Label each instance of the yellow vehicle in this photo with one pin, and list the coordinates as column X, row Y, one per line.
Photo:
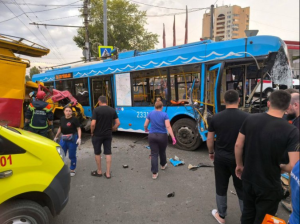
column 14, row 92
column 12, row 77
column 33, row 175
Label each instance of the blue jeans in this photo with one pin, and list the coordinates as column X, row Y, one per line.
column 72, row 147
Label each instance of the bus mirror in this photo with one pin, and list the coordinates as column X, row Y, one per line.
column 251, row 33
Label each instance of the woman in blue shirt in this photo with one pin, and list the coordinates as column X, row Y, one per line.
column 158, row 137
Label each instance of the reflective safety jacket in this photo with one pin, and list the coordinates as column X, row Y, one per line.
column 39, row 113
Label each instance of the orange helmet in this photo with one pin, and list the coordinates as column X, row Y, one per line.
column 40, row 95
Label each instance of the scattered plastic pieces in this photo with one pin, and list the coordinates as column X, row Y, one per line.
column 193, row 168
column 286, row 176
column 170, row 195
column 125, row 166
column 147, row 147
column 176, row 161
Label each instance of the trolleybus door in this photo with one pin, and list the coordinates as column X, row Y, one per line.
column 213, row 88
column 101, row 86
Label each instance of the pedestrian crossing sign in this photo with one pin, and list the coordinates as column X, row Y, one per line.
column 105, row 51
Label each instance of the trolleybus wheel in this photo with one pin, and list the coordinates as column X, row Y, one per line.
column 186, row 134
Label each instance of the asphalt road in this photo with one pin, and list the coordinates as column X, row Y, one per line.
column 131, row 196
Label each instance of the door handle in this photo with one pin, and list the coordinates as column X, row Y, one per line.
column 6, row 174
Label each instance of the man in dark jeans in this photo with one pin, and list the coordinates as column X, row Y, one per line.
column 261, row 144
column 225, row 125
column 101, row 131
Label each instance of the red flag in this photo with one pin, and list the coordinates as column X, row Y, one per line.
column 174, row 33
column 164, row 38
column 186, row 27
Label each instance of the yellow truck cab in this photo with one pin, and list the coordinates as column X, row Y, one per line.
column 33, row 175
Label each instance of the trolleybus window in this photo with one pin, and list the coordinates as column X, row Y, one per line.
column 81, row 91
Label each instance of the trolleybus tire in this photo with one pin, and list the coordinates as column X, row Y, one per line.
column 186, row 134
column 23, row 211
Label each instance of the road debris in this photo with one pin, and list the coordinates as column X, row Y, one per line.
column 193, row 168
column 125, row 166
column 170, row 195
column 176, row 161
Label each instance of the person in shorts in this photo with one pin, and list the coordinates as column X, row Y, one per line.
column 101, row 130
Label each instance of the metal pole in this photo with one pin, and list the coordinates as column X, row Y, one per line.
column 86, row 24
column 105, row 21
column 211, row 21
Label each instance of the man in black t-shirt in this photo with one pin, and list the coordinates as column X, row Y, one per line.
column 293, row 111
column 225, row 125
column 259, row 149
column 101, row 131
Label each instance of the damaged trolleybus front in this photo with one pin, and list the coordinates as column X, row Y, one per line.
column 190, row 79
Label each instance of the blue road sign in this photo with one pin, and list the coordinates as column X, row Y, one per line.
column 105, row 51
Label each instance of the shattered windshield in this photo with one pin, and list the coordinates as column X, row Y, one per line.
column 281, row 72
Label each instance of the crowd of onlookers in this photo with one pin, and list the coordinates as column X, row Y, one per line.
column 253, row 149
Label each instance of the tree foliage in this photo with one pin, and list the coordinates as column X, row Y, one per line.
column 125, row 27
column 27, row 78
column 34, row 70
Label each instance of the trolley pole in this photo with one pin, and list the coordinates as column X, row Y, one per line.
column 105, row 22
column 211, row 21
column 86, row 25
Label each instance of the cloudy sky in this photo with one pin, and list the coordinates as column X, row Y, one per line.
column 270, row 17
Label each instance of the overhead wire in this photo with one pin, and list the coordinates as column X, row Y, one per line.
column 16, row 16
column 25, row 25
column 60, row 18
column 68, row 5
column 41, row 33
column 57, row 49
column 156, row 6
column 174, row 14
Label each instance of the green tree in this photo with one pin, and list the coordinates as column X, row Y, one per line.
column 125, row 27
column 27, row 78
column 34, row 70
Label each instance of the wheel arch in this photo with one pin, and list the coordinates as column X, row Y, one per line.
column 180, row 116
column 39, row 197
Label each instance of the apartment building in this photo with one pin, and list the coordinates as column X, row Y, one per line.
column 230, row 22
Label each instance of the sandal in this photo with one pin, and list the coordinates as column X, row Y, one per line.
column 96, row 174
column 154, row 176
column 107, row 176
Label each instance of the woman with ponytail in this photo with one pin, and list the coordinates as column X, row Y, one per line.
column 158, row 137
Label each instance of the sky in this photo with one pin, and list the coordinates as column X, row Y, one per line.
column 270, row 17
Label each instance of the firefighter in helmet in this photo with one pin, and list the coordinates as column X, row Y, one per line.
column 39, row 116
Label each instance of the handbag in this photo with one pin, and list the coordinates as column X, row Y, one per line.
column 68, row 137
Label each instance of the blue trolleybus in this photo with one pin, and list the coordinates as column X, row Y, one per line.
column 190, row 80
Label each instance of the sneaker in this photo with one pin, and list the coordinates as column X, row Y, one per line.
column 164, row 167
column 154, row 176
column 215, row 214
column 72, row 173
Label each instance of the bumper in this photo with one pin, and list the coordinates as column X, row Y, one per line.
column 58, row 190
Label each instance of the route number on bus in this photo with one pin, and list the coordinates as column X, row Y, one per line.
column 142, row 114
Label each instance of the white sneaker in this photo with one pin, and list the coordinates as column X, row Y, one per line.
column 214, row 212
column 72, row 173
column 164, row 167
column 154, row 176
